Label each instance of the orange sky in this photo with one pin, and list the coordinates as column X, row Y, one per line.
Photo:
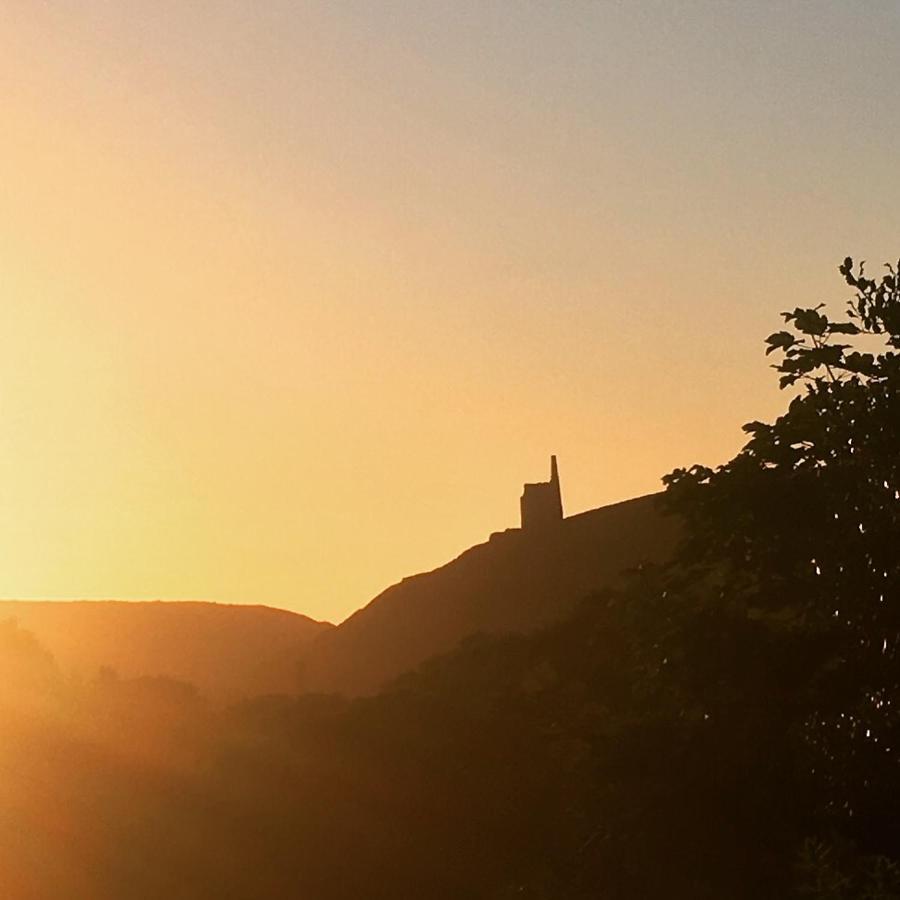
column 293, row 297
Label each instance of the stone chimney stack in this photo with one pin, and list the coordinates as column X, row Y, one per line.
column 541, row 503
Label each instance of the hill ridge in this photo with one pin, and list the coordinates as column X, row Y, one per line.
column 516, row 580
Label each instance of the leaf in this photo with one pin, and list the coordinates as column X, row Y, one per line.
column 780, row 340
column 787, row 381
column 810, row 321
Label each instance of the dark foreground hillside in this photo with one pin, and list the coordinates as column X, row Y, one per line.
column 541, row 766
column 510, row 768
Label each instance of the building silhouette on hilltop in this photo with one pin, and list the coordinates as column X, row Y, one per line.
column 542, row 502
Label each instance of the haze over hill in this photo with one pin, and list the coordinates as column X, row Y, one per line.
column 226, row 651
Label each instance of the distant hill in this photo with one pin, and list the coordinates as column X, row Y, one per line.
column 226, row 651
column 517, row 581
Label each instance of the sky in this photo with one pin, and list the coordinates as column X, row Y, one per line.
column 294, row 296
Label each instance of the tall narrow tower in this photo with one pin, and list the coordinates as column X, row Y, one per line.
column 541, row 503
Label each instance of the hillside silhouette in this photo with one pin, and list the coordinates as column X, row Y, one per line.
column 226, row 651
column 518, row 581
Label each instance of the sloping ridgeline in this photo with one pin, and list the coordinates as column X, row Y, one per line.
column 517, row 582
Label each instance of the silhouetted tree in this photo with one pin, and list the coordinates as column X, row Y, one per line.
column 796, row 541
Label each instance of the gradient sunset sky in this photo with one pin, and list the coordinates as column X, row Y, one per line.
column 295, row 295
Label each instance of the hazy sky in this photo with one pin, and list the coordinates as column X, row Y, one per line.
column 294, row 296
